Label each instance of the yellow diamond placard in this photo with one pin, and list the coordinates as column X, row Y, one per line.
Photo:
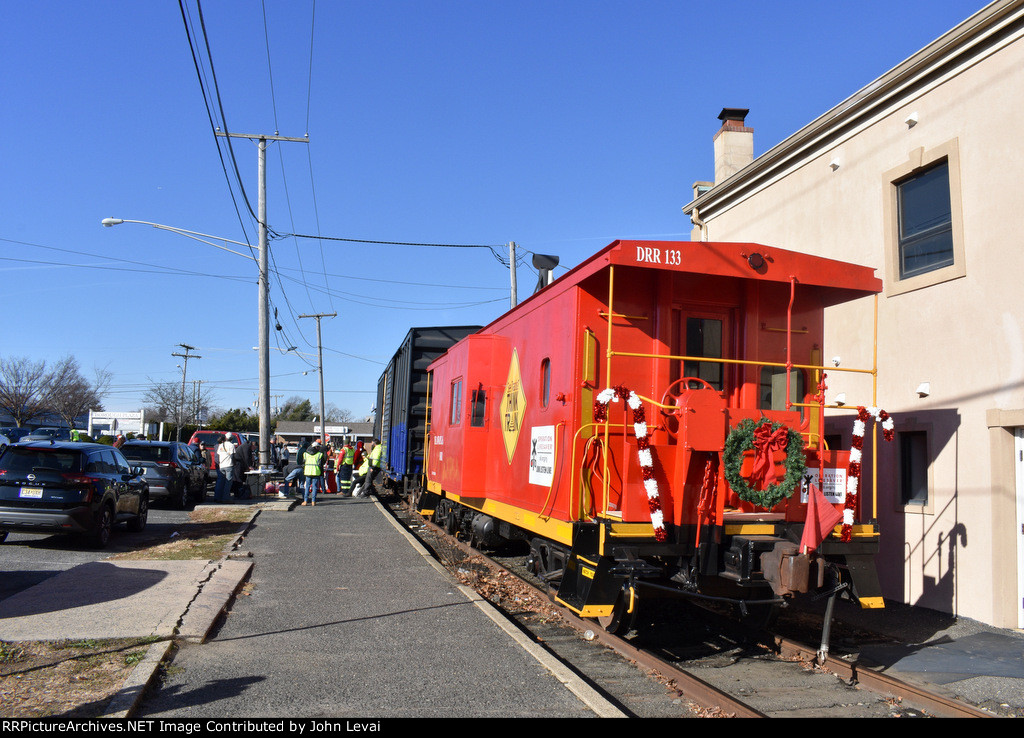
column 513, row 407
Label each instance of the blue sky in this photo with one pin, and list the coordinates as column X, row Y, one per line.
column 560, row 125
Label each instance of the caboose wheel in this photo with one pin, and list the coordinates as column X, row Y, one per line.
column 684, row 387
column 623, row 613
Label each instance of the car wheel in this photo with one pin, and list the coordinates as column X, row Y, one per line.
column 138, row 523
column 182, row 498
column 3, row 536
column 100, row 535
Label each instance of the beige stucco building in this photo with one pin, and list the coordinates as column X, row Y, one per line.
column 918, row 175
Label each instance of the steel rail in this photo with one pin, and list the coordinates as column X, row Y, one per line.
column 709, row 696
column 686, row 684
column 881, row 683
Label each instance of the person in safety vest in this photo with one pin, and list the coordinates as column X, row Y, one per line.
column 313, row 470
column 346, row 456
column 372, row 463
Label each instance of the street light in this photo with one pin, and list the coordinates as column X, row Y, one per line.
column 264, row 322
column 194, row 235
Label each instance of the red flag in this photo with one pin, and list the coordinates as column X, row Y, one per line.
column 821, row 519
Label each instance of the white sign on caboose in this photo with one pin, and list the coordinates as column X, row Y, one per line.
column 542, row 455
column 834, row 488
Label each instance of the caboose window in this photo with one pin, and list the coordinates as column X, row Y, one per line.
column 773, row 388
column 704, row 339
column 545, row 382
column 478, row 409
column 456, row 402
column 925, row 221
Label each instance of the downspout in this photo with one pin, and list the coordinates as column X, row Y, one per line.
column 695, row 220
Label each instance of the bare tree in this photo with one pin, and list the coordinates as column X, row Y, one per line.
column 164, row 401
column 337, row 414
column 69, row 394
column 23, row 386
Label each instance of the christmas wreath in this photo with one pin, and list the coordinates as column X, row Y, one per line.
column 763, row 438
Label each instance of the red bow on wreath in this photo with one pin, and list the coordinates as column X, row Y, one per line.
column 766, row 442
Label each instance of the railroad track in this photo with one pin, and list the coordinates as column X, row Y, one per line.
column 724, row 674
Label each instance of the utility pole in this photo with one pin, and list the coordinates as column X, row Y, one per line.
column 264, row 291
column 197, row 393
column 512, row 268
column 320, row 368
column 184, row 368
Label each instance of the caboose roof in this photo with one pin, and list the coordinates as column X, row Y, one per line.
column 839, row 281
column 735, row 260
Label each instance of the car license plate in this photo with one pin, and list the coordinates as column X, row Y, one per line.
column 36, row 492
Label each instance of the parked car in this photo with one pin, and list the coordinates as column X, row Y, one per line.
column 210, row 438
column 172, row 470
column 65, row 487
column 15, row 434
column 47, row 434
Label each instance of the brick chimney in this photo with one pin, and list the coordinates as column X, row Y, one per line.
column 734, row 143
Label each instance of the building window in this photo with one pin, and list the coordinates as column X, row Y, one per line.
column 925, row 221
column 924, row 231
column 913, row 450
column 478, row 410
column 456, row 402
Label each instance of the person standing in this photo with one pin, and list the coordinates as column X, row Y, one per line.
column 346, row 456
column 241, row 466
column 225, row 470
column 369, row 469
column 330, row 482
column 313, row 469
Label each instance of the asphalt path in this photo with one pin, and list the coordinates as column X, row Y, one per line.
column 344, row 617
column 26, row 559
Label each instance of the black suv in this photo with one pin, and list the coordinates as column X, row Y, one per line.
column 173, row 471
column 64, row 487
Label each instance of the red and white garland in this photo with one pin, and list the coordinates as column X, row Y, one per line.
column 614, row 394
column 856, row 453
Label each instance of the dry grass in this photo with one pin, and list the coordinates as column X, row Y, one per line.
column 64, row 678
column 209, row 531
column 78, row 678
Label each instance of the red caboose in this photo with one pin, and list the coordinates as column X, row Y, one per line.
column 655, row 415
